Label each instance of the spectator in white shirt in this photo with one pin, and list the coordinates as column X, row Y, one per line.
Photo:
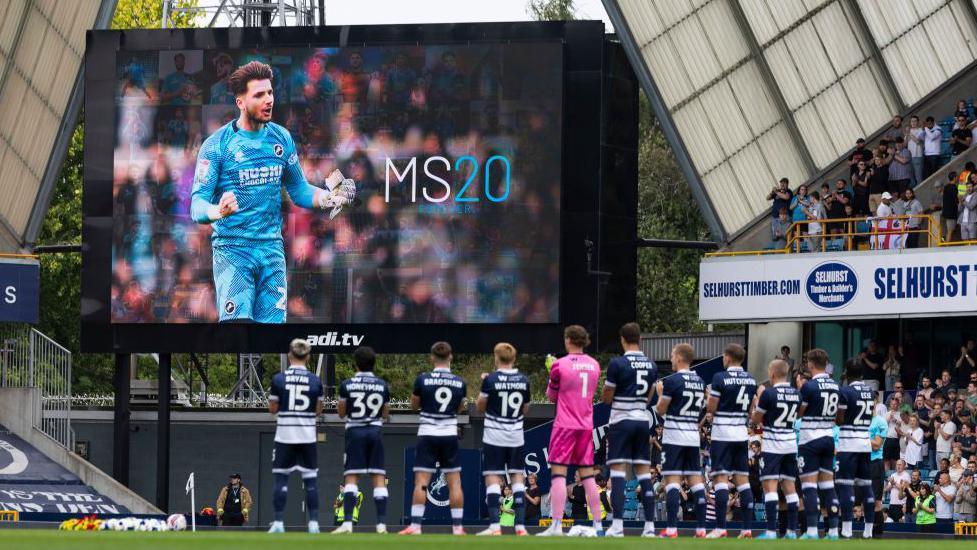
column 967, row 220
column 913, row 436
column 944, row 428
column 944, row 492
column 896, row 485
column 931, row 147
column 914, row 141
column 815, row 212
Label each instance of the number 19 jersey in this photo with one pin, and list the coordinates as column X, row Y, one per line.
column 297, row 392
column 506, row 391
column 573, row 381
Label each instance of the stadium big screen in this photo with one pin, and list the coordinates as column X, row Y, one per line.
column 453, row 137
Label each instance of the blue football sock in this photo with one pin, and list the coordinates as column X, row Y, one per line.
column 648, row 498
column 617, row 495
column 846, row 501
column 312, row 498
column 280, row 496
column 811, row 506
column 672, row 498
column 699, row 494
column 746, row 505
column 722, row 504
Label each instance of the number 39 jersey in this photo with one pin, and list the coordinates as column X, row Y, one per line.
column 632, row 375
column 297, row 392
column 820, row 396
column 778, row 405
column 857, row 400
column 686, row 395
column 506, row 391
column 734, row 388
column 365, row 395
column 441, row 393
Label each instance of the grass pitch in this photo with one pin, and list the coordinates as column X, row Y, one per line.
column 36, row 539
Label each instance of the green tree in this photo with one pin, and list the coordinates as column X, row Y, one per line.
column 148, row 14
column 551, row 10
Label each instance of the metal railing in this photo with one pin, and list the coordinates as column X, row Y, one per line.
column 847, row 234
column 29, row 359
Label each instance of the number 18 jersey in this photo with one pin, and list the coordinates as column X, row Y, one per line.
column 820, row 396
column 365, row 395
column 297, row 392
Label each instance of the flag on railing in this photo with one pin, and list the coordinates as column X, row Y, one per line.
column 888, row 234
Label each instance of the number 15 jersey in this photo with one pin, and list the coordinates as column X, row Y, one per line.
column 297, row 392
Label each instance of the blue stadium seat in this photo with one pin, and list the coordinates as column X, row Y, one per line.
column 630, row 515
column 759, row 513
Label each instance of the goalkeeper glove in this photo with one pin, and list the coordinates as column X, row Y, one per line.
column 550, row 359
column 220, row 512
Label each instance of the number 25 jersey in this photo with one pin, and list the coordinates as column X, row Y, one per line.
column 297, row 392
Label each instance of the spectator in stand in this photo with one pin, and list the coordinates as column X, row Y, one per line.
column 895, row 130
column 798, row 204
column 925, row 388
column 960, row 137
column 786, row 358
column 925, row 509
column 872, row 361
column 915, row 482
column 945, row 494
column 914, row 142
column 932, row 134
column 966, row 500
column 878, row 182
column 913, row 209
column 780, row 195
column 893, row 422
column 896, row 485
column 780, row 228
column 964, row 177
column 968, row 211
column 815, row 213
column 913, row 437
column 950, row 209
column 968, row 442
column 967, row 362
column 956, row 467
column 892, row 369
column 840, row 198
column 901, row 169
column 859, row 154
column 943, row 431
column 860, row 182
column 533, row 499
column 961, row 109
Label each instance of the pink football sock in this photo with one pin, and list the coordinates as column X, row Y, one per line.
column 593, row 497
column 558, row 497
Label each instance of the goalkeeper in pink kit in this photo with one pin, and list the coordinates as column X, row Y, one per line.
column 573, row 382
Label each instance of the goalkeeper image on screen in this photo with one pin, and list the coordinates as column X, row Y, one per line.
column 237, row 185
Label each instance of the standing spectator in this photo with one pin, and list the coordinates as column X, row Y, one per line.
column 872, row 361
column 967, row 363
column 965, row 501
column 799, row 204
column 961, row 109
column 858, row 155
column 578, row 500
column 533, row 498
column 932, row 134
column 815, row 213
column 968, row 211
column 944, row 491
column 878, row 182
column 925, row 510
column 893, row 421
column 507, row 512
column 892, row 369
column 960, row 137
column 786, row 358
column 943, row 432
column 896, row 485
column 234, row 503
column 913, row 437
column 860, row 182
column 840, row 198
column 925, row 388
column 895, row 130
column 901, row 169
column 780, row 195
column 955, row 468
column 781, row 226
column 914, row 142
column 968, row 442
column 914, row 224
column 915, row 482
column 950, row 208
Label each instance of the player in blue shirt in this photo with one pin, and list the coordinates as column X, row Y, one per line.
column 855, row 410
column 178, row 87
column 730, row 398
column 681, row 397
column 820, row 402
column 877, row 432
column 440, row 396
column 364, row 403
column 242, row 166
column 296, row 397
column 627, row 389
column 505, row 401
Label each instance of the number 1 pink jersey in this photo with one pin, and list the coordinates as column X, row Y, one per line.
column 573, row 381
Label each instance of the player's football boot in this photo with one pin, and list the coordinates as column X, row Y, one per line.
column 551, row 531
column 343, row 529
column 831, row 536
column 458, row 530
column 314, row 528
column 410, row 530
column 701, row 534
column 490, row 532
column 612, row 532
column 808, row 536
column 381, row 529
column 717, row 534
column 790, row 535
column 521, row 532
column 649, row 533
column 277, row 527
column 766, row 536
column 664, row 534
column 745, row 535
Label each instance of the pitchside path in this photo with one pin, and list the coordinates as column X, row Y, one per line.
column 30, row 539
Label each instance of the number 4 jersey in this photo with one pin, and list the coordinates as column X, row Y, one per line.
column 365, row 395
column 506, row 391
column 297, row 392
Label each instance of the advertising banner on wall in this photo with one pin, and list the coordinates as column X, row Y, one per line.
column 20, row 284
column 898, row 283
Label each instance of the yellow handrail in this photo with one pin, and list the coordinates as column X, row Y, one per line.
column 19, row 256
column 9, row 515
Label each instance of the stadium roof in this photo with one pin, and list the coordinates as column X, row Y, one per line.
column 749, row 91
column 42, row 43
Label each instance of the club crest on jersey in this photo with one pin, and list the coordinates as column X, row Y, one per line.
column 230, row 307
column 279, row 150
column 203, row 168
column 239, row 156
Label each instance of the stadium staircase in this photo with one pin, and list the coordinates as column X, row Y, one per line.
column 940, row 104
column 39, row 471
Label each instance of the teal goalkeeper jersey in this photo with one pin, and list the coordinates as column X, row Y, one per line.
column 254, row 165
